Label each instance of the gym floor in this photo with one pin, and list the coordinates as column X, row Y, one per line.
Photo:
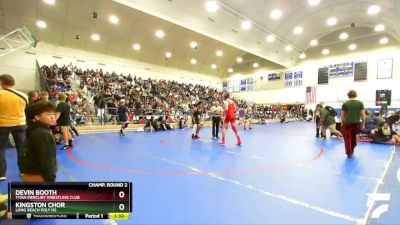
column 281, row 174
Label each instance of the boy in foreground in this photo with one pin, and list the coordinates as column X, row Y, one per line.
column 39, row 163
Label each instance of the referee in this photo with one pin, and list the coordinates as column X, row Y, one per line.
column 216, row 112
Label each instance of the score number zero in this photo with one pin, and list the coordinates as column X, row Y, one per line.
column 121, row 206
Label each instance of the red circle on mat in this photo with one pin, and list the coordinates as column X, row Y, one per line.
column 259, row 170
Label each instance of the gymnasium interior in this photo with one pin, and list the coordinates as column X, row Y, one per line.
column 179, row 66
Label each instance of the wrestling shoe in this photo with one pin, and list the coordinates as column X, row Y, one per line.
column 66, row 147
column 222, row 142
column 239, row 142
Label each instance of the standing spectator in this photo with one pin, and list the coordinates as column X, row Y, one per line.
column 216, row 112
column 352, row 112
column 38, row 161
column 317, row 119
column 63, row 120
column 12, row 120
column 101, row 110
column 44, row 96
column 96, row 102
column 123, row 114
column 33, row 96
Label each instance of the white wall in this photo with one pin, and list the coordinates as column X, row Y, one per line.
column 23, row 67
column 334, row 92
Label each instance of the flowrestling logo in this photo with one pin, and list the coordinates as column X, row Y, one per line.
column 380, row 209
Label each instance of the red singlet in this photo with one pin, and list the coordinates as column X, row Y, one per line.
column 230, row 113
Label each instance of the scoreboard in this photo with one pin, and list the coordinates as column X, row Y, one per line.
column 383, row 97
column 70, row 200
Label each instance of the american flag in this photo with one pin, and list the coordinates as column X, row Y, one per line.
column 311, row 93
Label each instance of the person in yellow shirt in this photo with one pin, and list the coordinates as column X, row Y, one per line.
column 3, row 208
column 12, row 119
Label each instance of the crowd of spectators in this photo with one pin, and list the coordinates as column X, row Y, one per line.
column 99, row 93
column 298, row 112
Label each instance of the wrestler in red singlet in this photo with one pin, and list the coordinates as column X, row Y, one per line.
column 230, row 113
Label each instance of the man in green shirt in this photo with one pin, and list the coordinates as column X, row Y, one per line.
column 327, row 122
column 352, row 113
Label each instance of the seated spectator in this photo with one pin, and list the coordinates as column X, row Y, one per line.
column 182, row 123
column 149, row 124
column 378, row 119
column 385, row 135
column 369, row 123
column 394, row 119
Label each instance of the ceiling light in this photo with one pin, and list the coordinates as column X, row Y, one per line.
column 230, row 70
column 255, row 65
column 352, row 46
column 270, row 38
column 374, row 9
column 219, row 53
column 298, row 30
column 343, row 36
column 239, row 60
column 113, row 19
column 193, row 44
column 325, row 51
column 288, row 48
column 313, row 2
column 211, row 6
column 160, row 34
column 213, row 66
column 246, row 25
column 379, row 27
column 168, row 55
column 95, row 37
column 50, row 2
column 193, row 61
column 331, row 21
column 276, row 14
column 41, row 24
column 302, row 56
column 136, row 47
column 383, row 40
column 313, row 42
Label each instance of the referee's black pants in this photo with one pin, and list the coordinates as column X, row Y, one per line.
column 216, row 121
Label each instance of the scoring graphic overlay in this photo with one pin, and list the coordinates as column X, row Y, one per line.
column 70, row 200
